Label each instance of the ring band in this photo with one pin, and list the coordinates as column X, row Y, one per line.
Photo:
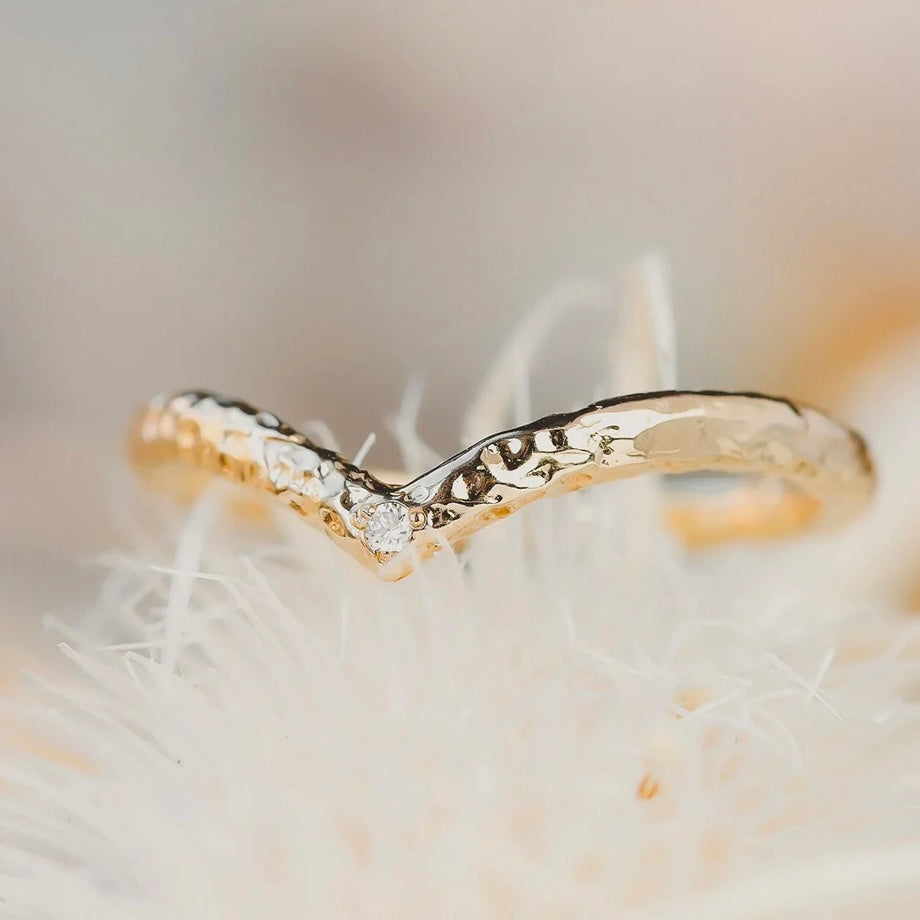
column 825, row 466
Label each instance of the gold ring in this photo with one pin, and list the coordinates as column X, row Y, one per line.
column 824, row 466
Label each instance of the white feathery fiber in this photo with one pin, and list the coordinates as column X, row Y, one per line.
column 575, row 718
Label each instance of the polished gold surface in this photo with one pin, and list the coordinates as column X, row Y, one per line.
column 824, row 466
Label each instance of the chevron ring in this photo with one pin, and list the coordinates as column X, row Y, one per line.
column 824, row 469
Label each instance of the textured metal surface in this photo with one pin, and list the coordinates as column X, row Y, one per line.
column 826, row 464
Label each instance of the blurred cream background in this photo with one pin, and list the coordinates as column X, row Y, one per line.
column 304, row 202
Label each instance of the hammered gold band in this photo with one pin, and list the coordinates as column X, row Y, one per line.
column 824, row 465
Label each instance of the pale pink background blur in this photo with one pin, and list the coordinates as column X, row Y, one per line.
column 302, row 203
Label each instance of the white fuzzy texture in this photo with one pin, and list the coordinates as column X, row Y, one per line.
column 574, row 719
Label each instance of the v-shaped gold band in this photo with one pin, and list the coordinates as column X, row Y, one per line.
column 825, row 466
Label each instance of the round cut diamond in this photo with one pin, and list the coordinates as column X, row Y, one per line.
column 389, row 529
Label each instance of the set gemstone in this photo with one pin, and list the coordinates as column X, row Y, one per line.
column 389, row 528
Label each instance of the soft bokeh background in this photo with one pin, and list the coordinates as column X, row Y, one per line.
column 304, row 202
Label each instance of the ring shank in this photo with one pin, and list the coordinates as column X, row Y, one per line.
column 827, row 475
column 824, row 465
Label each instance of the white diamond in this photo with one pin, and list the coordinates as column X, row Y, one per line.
column 389, row 529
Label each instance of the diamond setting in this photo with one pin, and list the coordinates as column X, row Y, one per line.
column 389, row 528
